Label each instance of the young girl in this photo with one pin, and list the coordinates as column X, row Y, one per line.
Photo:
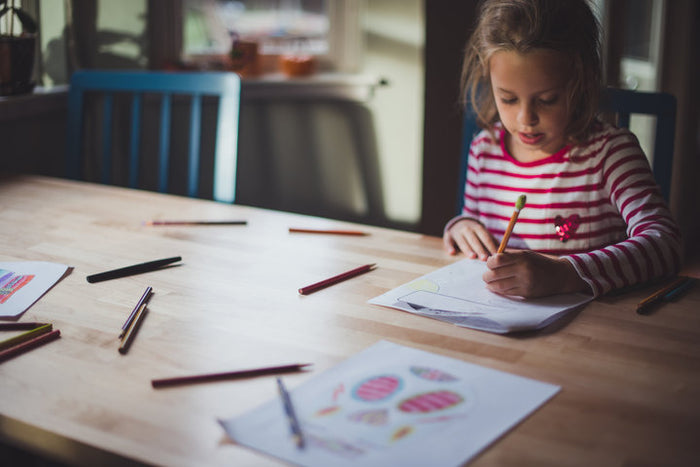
column 594, row 219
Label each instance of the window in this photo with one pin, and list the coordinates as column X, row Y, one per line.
column 326, row 29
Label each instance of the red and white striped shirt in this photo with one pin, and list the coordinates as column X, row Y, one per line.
column 595, row 204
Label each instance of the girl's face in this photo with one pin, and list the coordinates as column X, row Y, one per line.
column 530, row 94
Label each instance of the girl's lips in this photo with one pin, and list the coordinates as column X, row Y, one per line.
column 530, row 138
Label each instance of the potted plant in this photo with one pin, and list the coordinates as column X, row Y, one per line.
column 17, row 45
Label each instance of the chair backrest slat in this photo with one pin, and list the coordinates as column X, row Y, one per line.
column 164, row 143
column 224, row 85
column 134, row 140
column 193, row 159
column 107, row 104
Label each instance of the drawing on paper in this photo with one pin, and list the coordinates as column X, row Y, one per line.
column 377, row 388
column 430, row 402
column 432, row 374
column 389, row 407
column 11, row 282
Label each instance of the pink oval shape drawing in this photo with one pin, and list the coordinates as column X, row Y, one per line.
column 430, row 402
column 377, row 388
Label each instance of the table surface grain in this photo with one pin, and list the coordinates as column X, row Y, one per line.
column 630, row 384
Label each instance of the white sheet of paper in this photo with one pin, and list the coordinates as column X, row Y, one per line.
column 393, row 405
column 457, row 294
column 23, row 283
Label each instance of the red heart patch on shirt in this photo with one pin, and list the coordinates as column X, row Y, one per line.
column 566, row 227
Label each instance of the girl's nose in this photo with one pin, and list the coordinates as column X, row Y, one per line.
column 527, row 115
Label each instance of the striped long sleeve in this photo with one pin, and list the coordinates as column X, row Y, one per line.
column 595, row 204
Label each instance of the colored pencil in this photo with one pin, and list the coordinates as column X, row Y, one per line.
column 132, row 270
column 650, row 301
column 19, row 326
column 335, row 279
column 133, row 329
column 291, row 415
column 25, row 336
column 176, row 223
column 675, row 293
column 142, row 302
column 519, row 204
column 327, row 231
column 239, row 374
column 28, row 345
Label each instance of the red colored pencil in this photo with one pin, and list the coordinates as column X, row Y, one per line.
column 335, row 279
column 25, row 346
column 327, row 231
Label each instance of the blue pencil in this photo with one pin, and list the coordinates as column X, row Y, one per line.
column 675, row 293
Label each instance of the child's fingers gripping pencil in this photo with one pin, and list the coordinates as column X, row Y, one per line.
column 519, row 204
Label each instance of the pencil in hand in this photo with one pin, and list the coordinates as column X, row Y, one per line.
column 519, row 204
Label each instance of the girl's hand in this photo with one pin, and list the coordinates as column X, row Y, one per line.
column 528, row 274
column 471, row 238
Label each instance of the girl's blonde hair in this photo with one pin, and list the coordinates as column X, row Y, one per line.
column 566, row 26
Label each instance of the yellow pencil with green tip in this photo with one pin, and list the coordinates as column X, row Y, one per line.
column 519, row 204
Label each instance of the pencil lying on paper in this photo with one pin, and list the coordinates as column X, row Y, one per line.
column 132, row 270
column 291, row 414
column 240, row 374
column 132, row 330
column 142, row 302
column 327, row 231
column 28, row 345
column 174, row 222
column 519, row 204
column 647, row 303
column 25, row 336
column 335, row 279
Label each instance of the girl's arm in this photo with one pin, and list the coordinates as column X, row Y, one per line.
column 652, row 249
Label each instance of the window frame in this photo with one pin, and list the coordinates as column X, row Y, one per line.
column 345, row 39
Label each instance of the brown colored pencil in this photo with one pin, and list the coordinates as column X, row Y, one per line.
column 335, row 279
column 142, row 302
column 132, row 330
column 28, row 345
column 240, row 374
column 328, row 231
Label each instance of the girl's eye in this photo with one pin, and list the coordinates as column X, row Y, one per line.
column 550, row 101
column 508, row 101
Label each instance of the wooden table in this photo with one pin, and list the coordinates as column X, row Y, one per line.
column 630, row 384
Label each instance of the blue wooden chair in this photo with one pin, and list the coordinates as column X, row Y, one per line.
column 621, row 103
column 135, row 85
